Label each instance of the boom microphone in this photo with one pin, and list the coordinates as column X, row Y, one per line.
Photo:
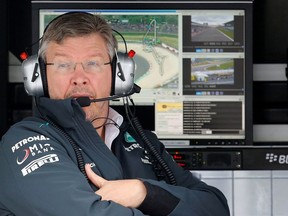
column 86, row 101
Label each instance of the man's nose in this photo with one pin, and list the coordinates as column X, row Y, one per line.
column 79, row 75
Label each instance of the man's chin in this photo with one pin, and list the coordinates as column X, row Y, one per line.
column 87, row 111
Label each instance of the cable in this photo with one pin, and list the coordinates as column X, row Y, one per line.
column 126, row 50
column 106, row 123
column 78, row 153
column 150, row 147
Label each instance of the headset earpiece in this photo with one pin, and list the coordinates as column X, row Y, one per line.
column 32, row 76
column 113, row 68
column 43, row 74
column 34, row 73
column 123, row 69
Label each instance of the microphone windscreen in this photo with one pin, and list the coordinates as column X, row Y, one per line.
column 84, row 101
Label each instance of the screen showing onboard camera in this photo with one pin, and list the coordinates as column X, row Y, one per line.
column 190, row 65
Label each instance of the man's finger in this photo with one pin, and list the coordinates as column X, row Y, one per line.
column 93, row 177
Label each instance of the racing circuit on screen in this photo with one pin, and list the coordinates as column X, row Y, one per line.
column 212, row 71
column 212, row 28
column 154, row 38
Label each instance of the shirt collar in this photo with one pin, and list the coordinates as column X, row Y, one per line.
column 112, row 126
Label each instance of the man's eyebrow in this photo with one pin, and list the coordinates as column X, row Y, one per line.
column 94, row 55
column 61, row 54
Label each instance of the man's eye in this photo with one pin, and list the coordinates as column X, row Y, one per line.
column 92, row 63
column 63, row 65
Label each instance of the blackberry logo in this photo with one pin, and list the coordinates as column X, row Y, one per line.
column 281, row 159
column 271, row 157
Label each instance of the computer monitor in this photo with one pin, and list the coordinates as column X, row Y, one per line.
column 193, row 64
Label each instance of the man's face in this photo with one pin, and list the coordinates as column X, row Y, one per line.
column 93, row 82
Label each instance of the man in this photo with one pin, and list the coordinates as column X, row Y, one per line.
column 42, row 157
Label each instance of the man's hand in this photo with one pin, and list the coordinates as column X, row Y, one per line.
column 129, row 193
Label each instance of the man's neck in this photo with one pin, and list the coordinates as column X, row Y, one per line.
column 101, row 132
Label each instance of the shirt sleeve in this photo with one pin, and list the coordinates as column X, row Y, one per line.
column 165, row 205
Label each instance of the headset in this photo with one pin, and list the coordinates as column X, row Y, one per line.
column 122, row 66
